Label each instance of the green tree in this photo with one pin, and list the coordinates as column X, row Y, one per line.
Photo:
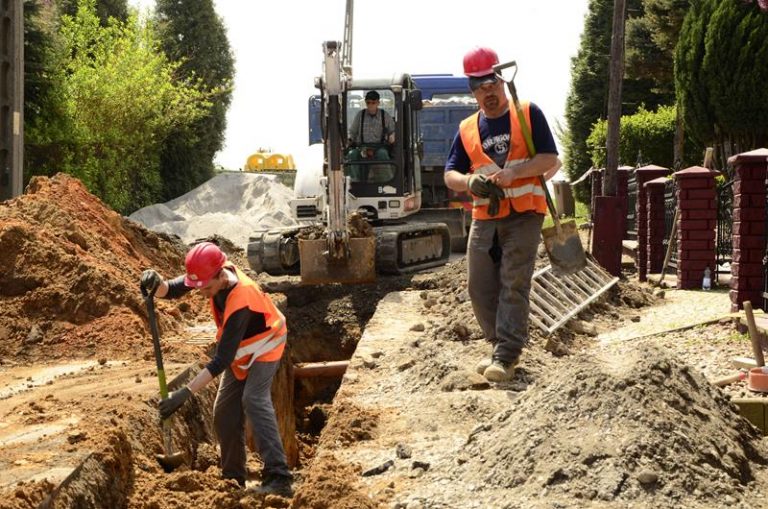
column 119, row 101
column 588, row 98
column 192, row 34
column 105, row 9
column 720, row 75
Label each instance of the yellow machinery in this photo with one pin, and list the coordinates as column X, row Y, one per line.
column 269, row 162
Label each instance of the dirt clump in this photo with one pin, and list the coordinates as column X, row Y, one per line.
column 348, row 424
column 644, row 429
column 329, row 484
column 26, row 495
column 69, row 271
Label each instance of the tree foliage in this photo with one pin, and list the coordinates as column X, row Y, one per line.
column 117, row 101
column 192, row 34
column 645, row 138
column 721, row 74
column 105, row 9
column 588, row 98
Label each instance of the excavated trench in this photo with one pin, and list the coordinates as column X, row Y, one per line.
column 116, row 466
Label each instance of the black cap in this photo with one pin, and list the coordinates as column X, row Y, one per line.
column 372, row 96
column 475, row 83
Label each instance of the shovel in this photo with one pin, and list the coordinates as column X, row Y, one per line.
column 562, row 242
column 170, row 460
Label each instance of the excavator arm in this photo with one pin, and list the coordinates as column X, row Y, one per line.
column 339, row 258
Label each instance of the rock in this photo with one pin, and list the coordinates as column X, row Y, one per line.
column 76, row 436
column 635, row 318
column 659, row 294
column 34, row 336
column 418, row 327
column 380, row 469
column 368, row 361
column 406, row 365
column 415, row 473
column 464, row 380
column 138, row 379
column 102, row 361
column 423, row 465
column 647, row 477
column 429, row 302
column 403, row 451
column 581, row 327
column 461, row 330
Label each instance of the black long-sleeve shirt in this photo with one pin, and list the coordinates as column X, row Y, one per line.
column 241, row 324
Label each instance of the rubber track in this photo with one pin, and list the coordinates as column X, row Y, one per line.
column 388, row 249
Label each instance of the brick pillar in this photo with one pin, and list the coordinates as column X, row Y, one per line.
column 606, row 238
column 643, row 175
column 696, row 230
column 622, row 177
column 749, row 242
column 654, row 191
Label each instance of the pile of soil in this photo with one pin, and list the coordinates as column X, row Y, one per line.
column 330, row 484
column 69, row 272
column 644, row 428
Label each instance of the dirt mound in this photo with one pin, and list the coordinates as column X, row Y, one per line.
column 647, row 430
column 69, row 271
column 329, row 485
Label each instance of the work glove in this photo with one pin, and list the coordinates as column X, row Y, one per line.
column 494, row 198
column 478, row 185
column 173, row 402
column 150, row 281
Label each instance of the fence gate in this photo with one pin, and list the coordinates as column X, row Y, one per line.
column 724, row 239
column 670, row 229
column 632, row 207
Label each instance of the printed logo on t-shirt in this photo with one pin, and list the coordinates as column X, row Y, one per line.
column 498, row 144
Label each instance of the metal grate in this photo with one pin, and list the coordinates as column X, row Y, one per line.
column 556, row 299
column 670, row 226
column 631, row 233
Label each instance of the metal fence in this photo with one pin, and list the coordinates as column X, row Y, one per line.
column 632, row 207
column 724, row 238
column 670, row 229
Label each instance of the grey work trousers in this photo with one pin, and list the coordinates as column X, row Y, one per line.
column 253, row 397
column 499, row 283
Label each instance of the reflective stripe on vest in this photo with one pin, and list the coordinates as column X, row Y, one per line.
column 523, row 194
column 266, row 346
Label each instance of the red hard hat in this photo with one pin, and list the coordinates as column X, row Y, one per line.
column 203, row 262
column 480, row 61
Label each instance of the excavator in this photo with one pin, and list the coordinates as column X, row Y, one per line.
column 357, row 209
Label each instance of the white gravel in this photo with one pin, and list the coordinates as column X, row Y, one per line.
column 232, row 205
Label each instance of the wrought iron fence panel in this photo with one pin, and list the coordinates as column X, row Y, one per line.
column 670, row 232
column 632, row 207
column 724, row 236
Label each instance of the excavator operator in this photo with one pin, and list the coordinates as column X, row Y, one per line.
column 371, row 135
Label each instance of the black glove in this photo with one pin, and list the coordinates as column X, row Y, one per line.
column 478, row 185
column 173, row 402
column 150, row 281
column 495, row 195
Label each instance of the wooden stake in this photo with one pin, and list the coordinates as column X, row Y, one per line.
column 757, row 348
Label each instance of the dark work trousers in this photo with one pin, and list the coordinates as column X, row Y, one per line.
column 500, row 282
column 253, row 397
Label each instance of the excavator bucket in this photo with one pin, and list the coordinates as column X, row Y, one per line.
column 317, row 268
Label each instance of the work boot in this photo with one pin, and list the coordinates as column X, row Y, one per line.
column 500, row 371
column 483, row 365
column 275, row 485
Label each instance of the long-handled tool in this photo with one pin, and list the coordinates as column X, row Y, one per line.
column 566, row 254
column 170, row 460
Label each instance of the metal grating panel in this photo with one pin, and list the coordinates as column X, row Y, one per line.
column 556, row 299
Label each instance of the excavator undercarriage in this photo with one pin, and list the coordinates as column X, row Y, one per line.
column 399, row 249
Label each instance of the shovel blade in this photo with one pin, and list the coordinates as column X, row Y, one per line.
column 566, row 254
column 316, row 268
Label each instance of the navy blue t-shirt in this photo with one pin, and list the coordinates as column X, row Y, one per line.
column 494, row 133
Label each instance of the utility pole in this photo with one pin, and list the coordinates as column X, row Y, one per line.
column 614, row 97
column 608, row 232
column 11, row 98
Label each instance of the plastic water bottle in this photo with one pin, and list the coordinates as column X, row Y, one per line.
column 706, row 283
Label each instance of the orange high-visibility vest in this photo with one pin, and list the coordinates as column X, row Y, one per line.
column 266, row 346
column 523, row 194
